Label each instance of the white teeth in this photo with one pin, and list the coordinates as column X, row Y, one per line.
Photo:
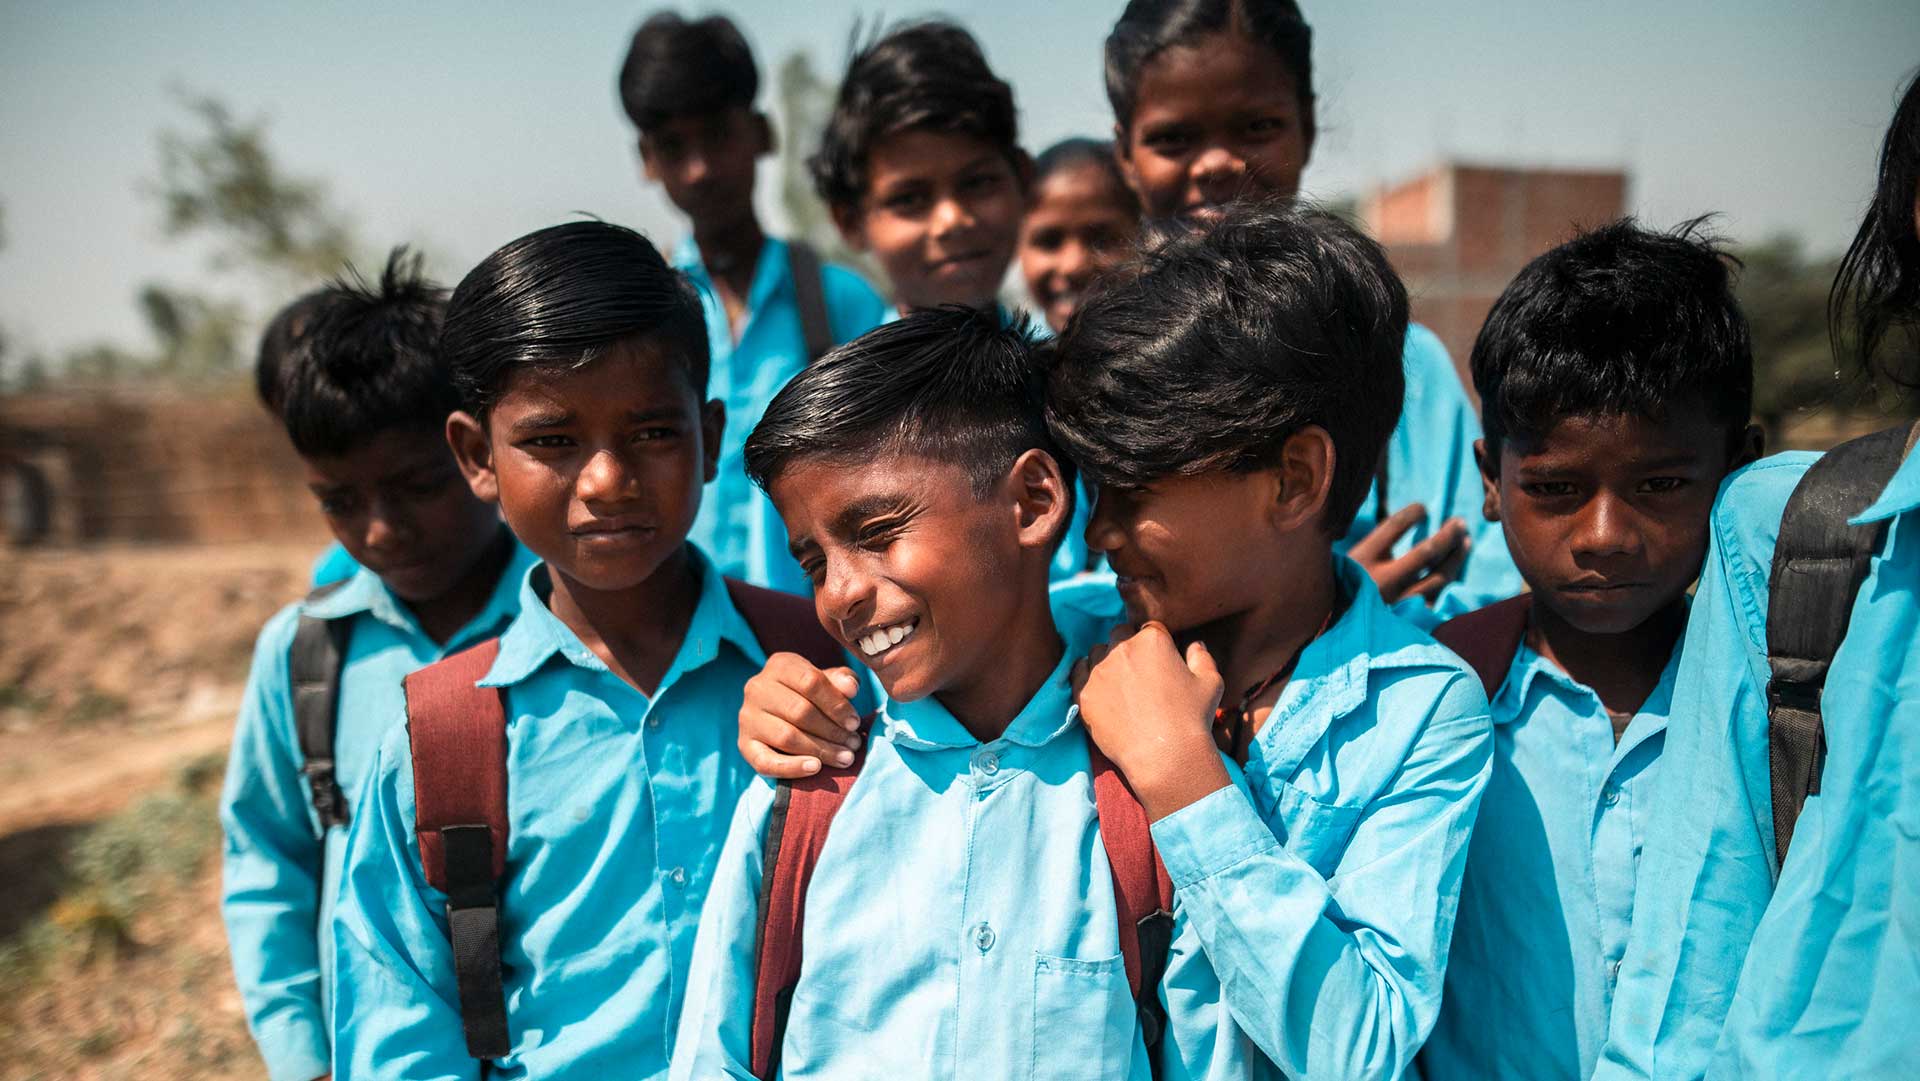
column 886, row 638
column 895, row 634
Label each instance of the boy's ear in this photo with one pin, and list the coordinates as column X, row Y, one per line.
column 1489, row 480
column 648, row 170
column 1123, row 157
column 713, row 424
column 467, row 435
column 852, row 225
column 1023, row 171
column 1753, row 442
column 1305, row 478
column 1042, row 504
column 765, row 140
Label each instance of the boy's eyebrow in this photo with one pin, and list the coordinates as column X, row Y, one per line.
column 549, row 418
column 866, row 507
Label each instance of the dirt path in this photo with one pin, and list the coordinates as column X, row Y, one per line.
column 68, row 777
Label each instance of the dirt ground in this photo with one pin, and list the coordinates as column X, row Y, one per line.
column 120, row 671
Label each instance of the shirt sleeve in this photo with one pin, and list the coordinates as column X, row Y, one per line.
column 396, row 1005
column 271, row 870
column 1707, row 871
column 1339, row 977
column 716, row 1022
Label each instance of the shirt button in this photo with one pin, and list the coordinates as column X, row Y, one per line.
column 987, row 762
column 653, row 721
column 983, row 937
column 1613, row 971
column 1610, row 795
column 677, row 876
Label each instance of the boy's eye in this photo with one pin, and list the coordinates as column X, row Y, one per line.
column 979, row 183
column 338, row 504
column 905, row 202
column 1046, row 239
column 657, row 432
column 1662, row 485
column 1267, row 125
column 1166, row 140
column 547, row 442
column 1549, row 489
column 876, row 535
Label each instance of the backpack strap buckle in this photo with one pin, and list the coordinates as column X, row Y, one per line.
column 328, row 801
column 1794, row 694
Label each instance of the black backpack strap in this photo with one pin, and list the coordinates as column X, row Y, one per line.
column 810, row 297
column 1818, row 565
column 313, row 667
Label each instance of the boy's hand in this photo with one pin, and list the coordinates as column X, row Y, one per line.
column 795, row 716
column 1426, row 569
column 1150, row 710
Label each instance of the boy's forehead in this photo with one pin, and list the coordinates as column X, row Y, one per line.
column 388, row 453
column 834, row 485
column 928, row 153
column 1686, row 431
column 632, row 376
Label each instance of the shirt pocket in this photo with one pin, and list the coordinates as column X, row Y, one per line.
column 1312, row 829
column 1083, row 1018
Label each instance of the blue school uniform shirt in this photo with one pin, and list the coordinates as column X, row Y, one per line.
column 278, row 874
column 1430, row 461
column 617, row 806
column 1730, row 973
column 960, row 923
column 737, row 524
column 1547, row 901
column 334, row 565
column 1324, row 891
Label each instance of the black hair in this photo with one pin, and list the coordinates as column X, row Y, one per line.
column 927, row 75
column 276, row 342
column 1081, row 152
column 680, row 68
column 1877, row 290
column 1147, row 27
column 366, row 360
column 951, row 384
column 558, row 299
column 1219, row 343
column 1620, row 320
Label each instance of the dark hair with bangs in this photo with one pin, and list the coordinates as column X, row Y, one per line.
column 364, row 360
column 1148, row 27
column 676, row 67
column 558, row 299
column 1877, row 291
column 1081, row 152
column 923, row 76
column 1221, row 342
column 951, row 384
column 1620, row 320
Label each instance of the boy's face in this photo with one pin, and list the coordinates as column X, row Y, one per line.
column 912, row 572
column 1077, row 228
column 1606, row 516
column 598, row 470
column 398, row 505
column 1212, row 122
column 941, row 213
column 706, row 162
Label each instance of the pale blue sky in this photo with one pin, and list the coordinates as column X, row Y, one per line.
column 462, row 125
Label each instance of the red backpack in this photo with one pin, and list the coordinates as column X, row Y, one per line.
column 458, row 733
column 1487, row 638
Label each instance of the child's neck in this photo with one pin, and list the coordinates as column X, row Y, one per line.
column 1252, row 645
column 636, row 631
column 1032, row 649
column 443, row 616
column 730, row 252
column 1622, row 669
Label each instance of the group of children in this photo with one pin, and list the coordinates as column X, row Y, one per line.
column 727, row 673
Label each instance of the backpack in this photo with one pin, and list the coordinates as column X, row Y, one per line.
column 458, row 735
column 810, row 297
column 803, row 811
column 1487, row 638
column 314, row 662
column 1819, row 563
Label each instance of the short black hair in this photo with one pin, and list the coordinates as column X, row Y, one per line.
column 276, row 343
column 366, row 360
column 928, row 75
column 1147, row 27
column 558, row 299
column 1620, row 320
column 1219, row 343
column 679, row 68
column 1081, row 152
column 1877, row 290
column 951, row 384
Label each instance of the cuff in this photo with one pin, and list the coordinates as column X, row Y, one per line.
column 296, row 1049
column 1210, row 835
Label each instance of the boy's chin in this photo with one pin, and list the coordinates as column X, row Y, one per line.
column 610, row 575
column 1604, row 614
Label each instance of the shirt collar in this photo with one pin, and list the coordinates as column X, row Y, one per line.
column 365, row 593
column 772, row 271
column 1901, row 494
column 1515, row 695
column 927, row 726
column 536, row 634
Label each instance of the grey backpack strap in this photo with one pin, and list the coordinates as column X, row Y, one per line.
column 1818, row 565
column 314, row 662
column 810, row 297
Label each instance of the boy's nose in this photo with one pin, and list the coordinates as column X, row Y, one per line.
column 602, row 479
column 1218, row 165
column 949, row 216
column 844, row 595
column 1103, row 534
column 1607, row 528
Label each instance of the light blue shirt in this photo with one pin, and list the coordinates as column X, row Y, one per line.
column 1548, row 897
column 278, row 874
column 617, row 806
column 333, row 565
column 1324, row 892
column 1430, row 461
column 737, row 523
column 960, row 923
column 1728, row 973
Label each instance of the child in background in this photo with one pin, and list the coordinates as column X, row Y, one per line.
column 771, row 305
column 581, row 359
column 1081, row 224
column 364, row 399
column 961, row 919
column 276, row 344
column 1213, row 100
column 1616, row 377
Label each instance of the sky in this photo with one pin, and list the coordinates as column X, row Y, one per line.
column 460, row 125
